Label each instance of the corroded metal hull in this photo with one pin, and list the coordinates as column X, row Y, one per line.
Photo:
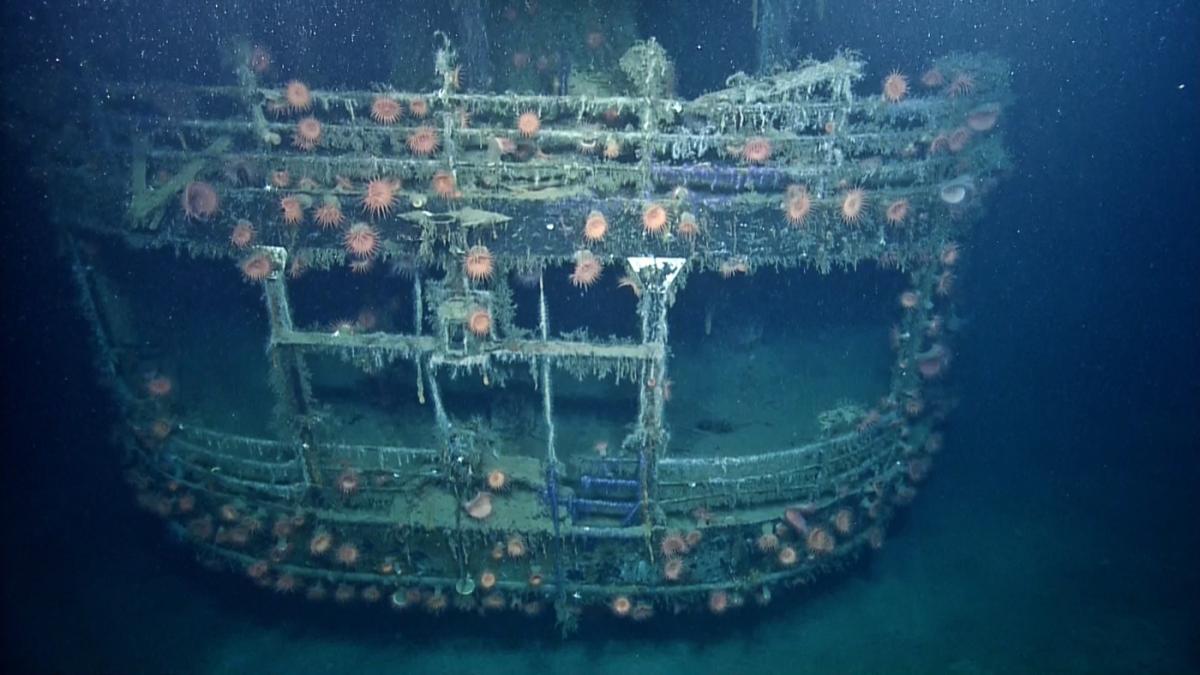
column 495, row 502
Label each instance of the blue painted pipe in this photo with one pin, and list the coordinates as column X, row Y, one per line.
column 580, row 508
column 612, row 488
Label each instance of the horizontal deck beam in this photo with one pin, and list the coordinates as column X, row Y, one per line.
column 505, row 349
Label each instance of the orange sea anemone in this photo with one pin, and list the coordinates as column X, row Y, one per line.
column 385, row 110
column 588, row 269
column 160, row 386
column 797, row 205
column 853, row 205
column 961, row 84
column 257, row 267
column 380, row 196
column 321, row 543
column 595, row 227
column 308, row 134
column 362, row 240
column 292, row 210
column 787, row 556
column 515, row 546
column 487, row 580
column 444, row 185
column 347, row 554
column 529, row 124
column 478, row 263
column 497, row 480
column 479, row 322
column 950, row 254
column 673, row 545
column 621, row 605
column 329, row 214
column 298, row 97
column 843, row 520
column 612, row 148
column 718, row 602
column 767, row 542
column 673, row 569
column 243, row 234
column 348, row 482
column 688, row 226
column 423, row 141
column 897, row 211
column 895, row 87
column 819, row 541
column 654, row 218
column 757, row 150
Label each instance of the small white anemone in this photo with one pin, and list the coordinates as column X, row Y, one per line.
column 955, row 191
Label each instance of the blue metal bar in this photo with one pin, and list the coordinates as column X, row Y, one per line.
column 613, row 488
column 580, row 508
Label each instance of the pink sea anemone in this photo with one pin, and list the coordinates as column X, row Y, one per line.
column 480, row 507
column 933, row 361
column 199, row 201
column 796, row 519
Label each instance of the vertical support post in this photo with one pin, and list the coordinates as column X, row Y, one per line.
column 439, row 409
column 560, row 584
column 771, row 23
column 473, row 34
column 289, row 377
column 418, row 315
column 547, row 395
column 91, row 306
column 657, row 275
column 418, row 302
column 912, row 327
column 649, row 131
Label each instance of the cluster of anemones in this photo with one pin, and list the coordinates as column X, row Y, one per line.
column 297, row 99
column 798, row 205
column 513, row 546
column 817, row 540
column 655, row 219
column 674, row 547
column 432, row 601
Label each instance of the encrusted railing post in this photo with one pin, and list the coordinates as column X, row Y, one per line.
column 657, row 275
column 551, row 455
column 289, row 377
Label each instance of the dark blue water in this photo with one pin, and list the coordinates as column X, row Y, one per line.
column 1059, row 533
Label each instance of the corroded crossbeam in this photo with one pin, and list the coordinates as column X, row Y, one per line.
column 508, row 349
